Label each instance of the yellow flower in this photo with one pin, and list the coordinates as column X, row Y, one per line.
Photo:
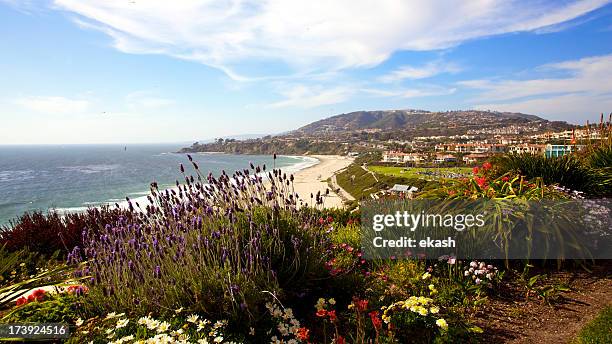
column 163, row 327
column 434, row 310
column 442, row 324
column 79, row 322
column 426, row 275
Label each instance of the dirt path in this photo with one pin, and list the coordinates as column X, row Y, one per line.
column 512, row 321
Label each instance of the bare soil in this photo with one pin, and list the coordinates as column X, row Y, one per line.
column 512, row 318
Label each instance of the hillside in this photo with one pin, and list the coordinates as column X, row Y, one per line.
column 420, row 120
column 359, row 131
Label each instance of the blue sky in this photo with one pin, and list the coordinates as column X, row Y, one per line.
column 105, row 71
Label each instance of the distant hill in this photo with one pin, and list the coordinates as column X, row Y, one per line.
column 362, row 130
column 416, row 119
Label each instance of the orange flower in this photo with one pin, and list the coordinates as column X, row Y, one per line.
column 321, row 313
column 303, row 333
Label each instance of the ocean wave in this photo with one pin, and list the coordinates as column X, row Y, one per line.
column 304, row 164
column 89, row 169
column 16, row 175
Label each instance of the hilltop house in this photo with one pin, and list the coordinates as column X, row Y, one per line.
column 471, row 147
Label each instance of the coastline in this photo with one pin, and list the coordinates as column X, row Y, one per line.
column 310, row 172
column 313, row 179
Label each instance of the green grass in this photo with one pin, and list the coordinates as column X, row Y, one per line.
column 420, row 172
column 597, row 331
column 363, row 184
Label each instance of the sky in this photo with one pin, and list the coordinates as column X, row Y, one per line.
column 136, row 71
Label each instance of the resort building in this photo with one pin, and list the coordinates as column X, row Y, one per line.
column 552, row 151
column 529, row 148
column 442, row 158
column 471, row 147
column 473, row 158
column 401, row 157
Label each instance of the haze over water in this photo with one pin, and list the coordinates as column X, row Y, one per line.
column 73, row 177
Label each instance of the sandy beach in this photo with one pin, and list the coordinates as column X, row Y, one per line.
column 313, row 178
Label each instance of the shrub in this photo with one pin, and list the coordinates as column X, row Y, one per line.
column 567, row 171
column 48, row 233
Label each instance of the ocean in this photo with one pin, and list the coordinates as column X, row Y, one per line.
column 74, row 177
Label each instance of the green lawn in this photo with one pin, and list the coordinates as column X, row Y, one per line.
column 361, row 183
column 430, row 173
column 597, row 331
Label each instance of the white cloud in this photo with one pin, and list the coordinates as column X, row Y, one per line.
column 310, row 97
column 53, row 104
column 581, row 87
column 426, row 71
column 307, row 35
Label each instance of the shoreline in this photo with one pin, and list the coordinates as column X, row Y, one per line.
column 313, row 179
column 310, row 176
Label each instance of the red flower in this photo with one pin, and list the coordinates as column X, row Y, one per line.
column 330, row 219
column 361, row 305
column 332, row 316
column 481, row 181
column 376, row 321
column 340, row 340
column 303, row 334
column 475, row 170
column 321, row 220
column 38, row 294
column 21, row 301
column 486, row 165
column 31, row 298
column 505, row 179
column 321, row 313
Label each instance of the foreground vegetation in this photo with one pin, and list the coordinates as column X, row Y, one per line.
column 237, row 258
